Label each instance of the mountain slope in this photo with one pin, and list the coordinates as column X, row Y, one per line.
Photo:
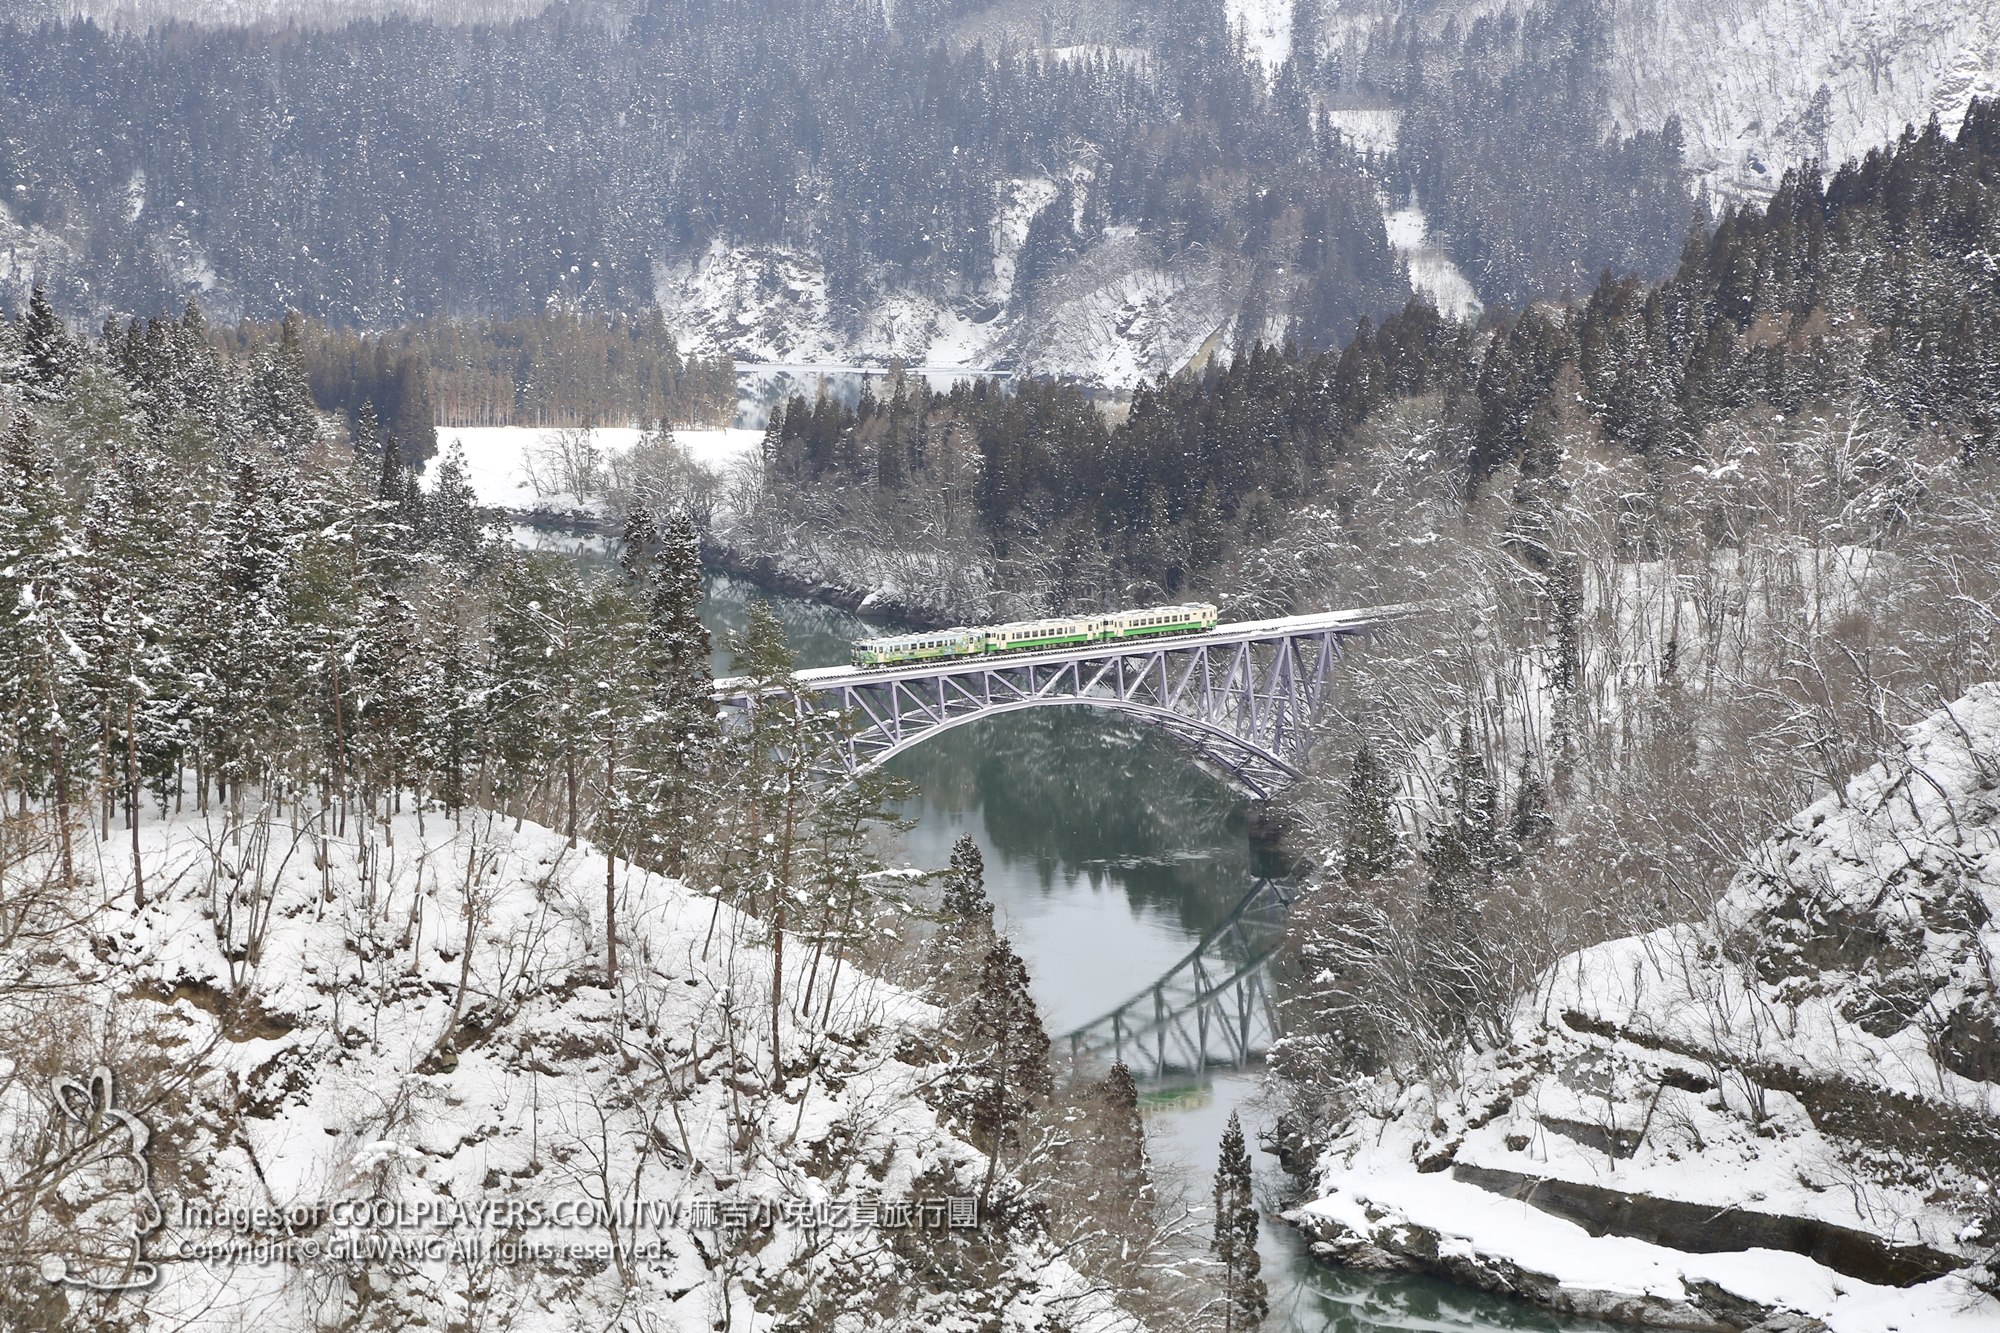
column 1762, row 84
column 388, row 1083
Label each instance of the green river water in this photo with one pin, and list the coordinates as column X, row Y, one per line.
column 1108, row 854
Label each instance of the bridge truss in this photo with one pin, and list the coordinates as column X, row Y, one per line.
column 1214, row 1007
column 1242, row 696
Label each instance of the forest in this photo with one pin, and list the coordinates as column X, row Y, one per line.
column 381, row 173
column 261, row 686
column 1702, row 505
column 554, row 368
column 1864, row 292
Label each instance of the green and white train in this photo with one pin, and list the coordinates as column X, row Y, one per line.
column 1028, row 635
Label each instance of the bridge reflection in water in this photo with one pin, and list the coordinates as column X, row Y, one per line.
column 1214, row 1008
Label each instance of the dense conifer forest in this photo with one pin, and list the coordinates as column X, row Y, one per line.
column 379, row 173
column 1865, row 291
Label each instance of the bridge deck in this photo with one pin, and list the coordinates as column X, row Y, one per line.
column 1243, row 631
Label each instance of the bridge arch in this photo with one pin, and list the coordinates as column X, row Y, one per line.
column 1244, row 697
column 1237, row 759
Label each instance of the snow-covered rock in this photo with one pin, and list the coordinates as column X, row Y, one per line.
column 1791, row 1109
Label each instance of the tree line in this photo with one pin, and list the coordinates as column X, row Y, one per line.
column 550, row 368
column 1864, row 288
column 554, row 161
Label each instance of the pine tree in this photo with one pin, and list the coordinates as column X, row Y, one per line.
column 1369, row 832
column 51, row 356
column 965, row 884
column 279, row 401
column 454, row 524
column 663, row 566
column 1245, row 1301
column 1010, row 1060
column 1119, row 1148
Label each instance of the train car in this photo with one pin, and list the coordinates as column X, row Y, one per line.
column 929, row 646
column 1030, row 635
column 1191, row 618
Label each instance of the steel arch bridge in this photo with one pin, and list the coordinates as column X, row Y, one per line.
column 1242, row 696
column 1213, row 1007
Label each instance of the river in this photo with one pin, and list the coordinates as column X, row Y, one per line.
column 1108, row 854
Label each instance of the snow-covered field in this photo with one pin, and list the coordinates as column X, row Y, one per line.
column 499, row 459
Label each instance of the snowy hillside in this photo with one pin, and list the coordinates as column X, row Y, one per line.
column 1793, row 1107
column 1762, row 84
column 242, row 13
column 1759, row 85
column 383, row 1079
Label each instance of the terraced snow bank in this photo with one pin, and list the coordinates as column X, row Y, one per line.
column 1787, row 1113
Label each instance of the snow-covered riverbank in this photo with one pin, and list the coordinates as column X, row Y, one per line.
column 1785, row 1113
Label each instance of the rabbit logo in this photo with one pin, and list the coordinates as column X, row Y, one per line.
column 102, row 1207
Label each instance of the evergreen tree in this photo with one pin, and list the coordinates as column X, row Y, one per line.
column 1244, row 1299
column 1010, row 1060
column 454, row 525
column 51, row 356
column 279, row 400
column 1369, row 831
column 1465, row 844
column 965, row 884
column 1119, row 1149
column 663, row 566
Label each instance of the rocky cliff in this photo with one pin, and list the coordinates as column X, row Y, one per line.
column 1784, row 1115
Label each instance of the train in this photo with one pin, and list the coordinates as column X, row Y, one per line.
column 1028, row 635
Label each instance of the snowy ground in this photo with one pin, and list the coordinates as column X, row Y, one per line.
column 1369, row 130
column 1752, row 1067
column 498, row 458
column 403, row 1036
column 1620, row 1272
column 1266, row 26
column 1432, row 272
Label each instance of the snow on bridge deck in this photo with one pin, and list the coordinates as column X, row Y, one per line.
column 1242, row 696
column 1244, row 631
